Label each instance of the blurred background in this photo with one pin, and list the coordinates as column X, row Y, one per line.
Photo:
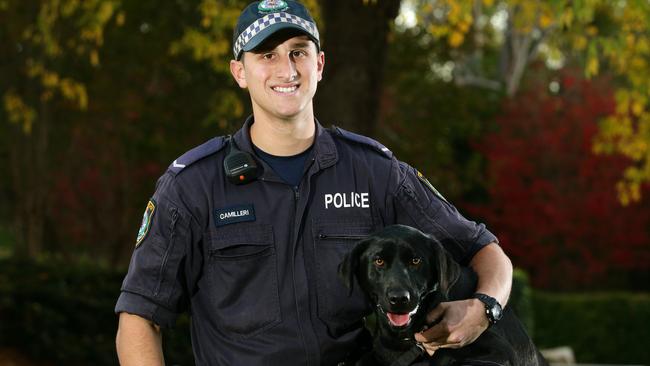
column 531, row 116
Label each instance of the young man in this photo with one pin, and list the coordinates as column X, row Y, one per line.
column 247, row 232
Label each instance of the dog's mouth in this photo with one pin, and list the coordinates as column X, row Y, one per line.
column 400, row 320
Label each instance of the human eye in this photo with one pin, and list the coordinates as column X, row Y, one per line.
column 298, row 53
column 267, row 56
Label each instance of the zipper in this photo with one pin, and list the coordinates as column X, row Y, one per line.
column 172, row 228
column 296, row 198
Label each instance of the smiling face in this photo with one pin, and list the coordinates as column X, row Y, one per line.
column 281, row 76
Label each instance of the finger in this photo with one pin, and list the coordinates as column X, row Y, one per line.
column 436, row 313
column 438, row 333
column 451, row 345
column 430, row 348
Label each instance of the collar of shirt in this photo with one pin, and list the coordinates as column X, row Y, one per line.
column 325, row 153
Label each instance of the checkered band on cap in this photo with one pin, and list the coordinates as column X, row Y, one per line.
column 260, row 24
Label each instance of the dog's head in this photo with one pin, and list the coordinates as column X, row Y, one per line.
column 398, row 267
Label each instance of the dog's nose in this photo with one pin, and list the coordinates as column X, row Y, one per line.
column 398, row 297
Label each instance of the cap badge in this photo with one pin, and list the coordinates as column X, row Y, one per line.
column 272, row 6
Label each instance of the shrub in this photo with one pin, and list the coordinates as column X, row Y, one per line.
column 600, row 327
column 64, row 313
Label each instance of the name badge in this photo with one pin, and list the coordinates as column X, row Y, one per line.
column 233, row 214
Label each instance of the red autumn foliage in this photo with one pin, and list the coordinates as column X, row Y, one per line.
column 553, row 203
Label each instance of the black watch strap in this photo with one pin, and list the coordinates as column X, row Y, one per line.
column 493, row 309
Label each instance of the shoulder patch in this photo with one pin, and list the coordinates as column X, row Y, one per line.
column 428, row 184
column 209, row 147
column 351, row 136
column 147, row 218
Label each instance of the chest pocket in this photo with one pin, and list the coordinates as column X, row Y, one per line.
column 243, row 280
column 337, row 308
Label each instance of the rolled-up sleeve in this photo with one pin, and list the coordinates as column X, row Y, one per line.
column 157, row 282
column 419, row 204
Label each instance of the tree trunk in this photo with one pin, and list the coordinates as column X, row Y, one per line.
column 28, row 155
column 355, row 40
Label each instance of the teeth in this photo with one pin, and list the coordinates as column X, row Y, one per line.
column 285, row 90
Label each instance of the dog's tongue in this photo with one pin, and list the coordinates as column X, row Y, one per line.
column 398, row 320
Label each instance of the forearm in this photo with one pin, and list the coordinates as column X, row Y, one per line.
column 494, row 271
column 138, row 342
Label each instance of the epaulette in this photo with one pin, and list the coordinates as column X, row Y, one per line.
column 375, row 145
column 209, row 147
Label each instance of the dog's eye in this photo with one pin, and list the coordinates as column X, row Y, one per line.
column 416, row 261
column 379, row 262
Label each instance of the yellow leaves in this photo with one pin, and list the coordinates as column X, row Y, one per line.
column 209, row 11
column 545, row 21
column 450, row 19
column 52, row 82
column 74, row 91
column 203, row 46
column 627, row 132
column 94, row 58
column 592, row 31
column 638, row 108
column 566, row 18
column 592, row 67
column 593, row 62
column 69, row 7
column 105, row 12
column 628, row 192
column 579, row 42
column 120, row 18
column 210, row 41
column 456, row 39
column 18, row 111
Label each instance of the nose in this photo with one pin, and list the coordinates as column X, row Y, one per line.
column 287, row 68
column 398, row 297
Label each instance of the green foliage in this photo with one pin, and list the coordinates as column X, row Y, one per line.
column 147, row 99
column 521, row 300
column 428, row 121
column 6, row 242
column 61, row 312
column 600, row 327
column 64, row 313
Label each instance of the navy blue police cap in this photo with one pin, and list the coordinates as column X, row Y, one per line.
column 261, row 19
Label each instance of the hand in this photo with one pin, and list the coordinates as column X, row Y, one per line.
column 461, row 323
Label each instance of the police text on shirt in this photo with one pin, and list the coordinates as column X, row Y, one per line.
column 345, row 200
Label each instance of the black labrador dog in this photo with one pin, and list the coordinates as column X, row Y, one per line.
column 405, row 274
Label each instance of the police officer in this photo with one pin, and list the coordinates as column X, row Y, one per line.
column 246, row 232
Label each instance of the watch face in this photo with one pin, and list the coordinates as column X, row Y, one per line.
column 496, row 312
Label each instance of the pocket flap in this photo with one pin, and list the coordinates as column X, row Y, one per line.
column 241, row 234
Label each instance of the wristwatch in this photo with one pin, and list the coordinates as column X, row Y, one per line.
column 493, row 309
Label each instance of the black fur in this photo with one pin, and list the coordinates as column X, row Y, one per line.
column 415, row 271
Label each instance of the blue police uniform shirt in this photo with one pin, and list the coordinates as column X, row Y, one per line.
column 256, row 264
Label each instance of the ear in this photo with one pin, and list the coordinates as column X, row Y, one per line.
column 238, row 73
column 348, row 267
column 320, row 64
column 444, row 267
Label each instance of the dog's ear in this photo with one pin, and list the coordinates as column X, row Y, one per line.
column 445, row 268
column 348, row 267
